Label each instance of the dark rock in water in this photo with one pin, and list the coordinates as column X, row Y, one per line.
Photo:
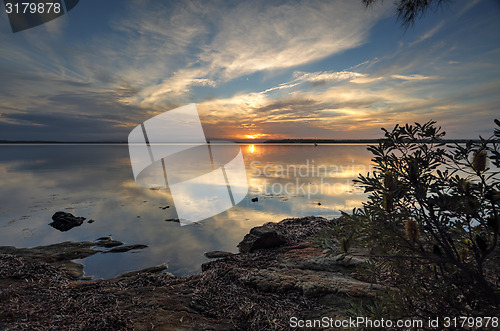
column 90, row 221
column 319, row 203
column 217, row 254
column 65, row 221
column 127, row 248
column 164, row 207
column 255, row 199
column 107, row 242
column 260, row 237
column 172, row 220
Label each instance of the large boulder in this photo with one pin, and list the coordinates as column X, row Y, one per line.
column 65, row 221
column 260, row 237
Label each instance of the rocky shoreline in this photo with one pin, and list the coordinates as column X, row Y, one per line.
column 278, row 274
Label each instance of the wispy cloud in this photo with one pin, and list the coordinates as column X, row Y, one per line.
column 431, row 32
column 245, row 38
column 412, row 77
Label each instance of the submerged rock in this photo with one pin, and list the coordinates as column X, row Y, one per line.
column 127, row 248
column 63, row 221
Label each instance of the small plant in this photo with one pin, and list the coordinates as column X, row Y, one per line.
column 432, row 222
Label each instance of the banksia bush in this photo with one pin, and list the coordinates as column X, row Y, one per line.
column 431, row 222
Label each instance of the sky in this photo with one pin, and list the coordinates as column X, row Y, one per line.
column 255, row 69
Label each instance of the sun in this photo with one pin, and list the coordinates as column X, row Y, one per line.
column 251, row 136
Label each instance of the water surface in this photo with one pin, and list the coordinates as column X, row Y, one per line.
column 96, row 182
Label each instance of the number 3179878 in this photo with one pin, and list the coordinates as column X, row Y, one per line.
column 33, row 7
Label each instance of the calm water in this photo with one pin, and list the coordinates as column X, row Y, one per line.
column 96, row 182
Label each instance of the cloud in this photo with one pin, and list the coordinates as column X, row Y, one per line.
column 429, row 33
column 357, row 103
column 259, row 66
column 316, row 78
column 59, row 127
column 33, row 107
column 412, row 77
column 245, row 38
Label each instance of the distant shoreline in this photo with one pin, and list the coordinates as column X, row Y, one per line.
column 41, row 142
column 356, row 141
column 270, row 141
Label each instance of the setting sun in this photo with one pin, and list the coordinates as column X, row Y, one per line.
column 251, row 136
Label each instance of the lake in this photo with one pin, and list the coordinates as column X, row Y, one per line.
column 96, row 182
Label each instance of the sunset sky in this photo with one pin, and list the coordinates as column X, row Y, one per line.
column 266, row 69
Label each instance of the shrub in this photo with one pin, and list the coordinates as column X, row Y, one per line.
column 431, row 222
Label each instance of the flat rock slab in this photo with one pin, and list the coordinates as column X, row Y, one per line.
column 61, row 254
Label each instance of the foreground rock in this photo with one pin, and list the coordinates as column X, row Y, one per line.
column 259, row 290
column 260, row 237
column 65, row 221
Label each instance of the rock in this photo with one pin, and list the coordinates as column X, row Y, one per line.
column 151, row 270
column 90, row 221
column 172, row 220
column 260, row 237
column 217, row 254
column 164, row 207
column 63, row 221
column 107, row 242
column 127, row 248
column 53, row 301
column 309, row 283
column 60, row 254
column 255, row 199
